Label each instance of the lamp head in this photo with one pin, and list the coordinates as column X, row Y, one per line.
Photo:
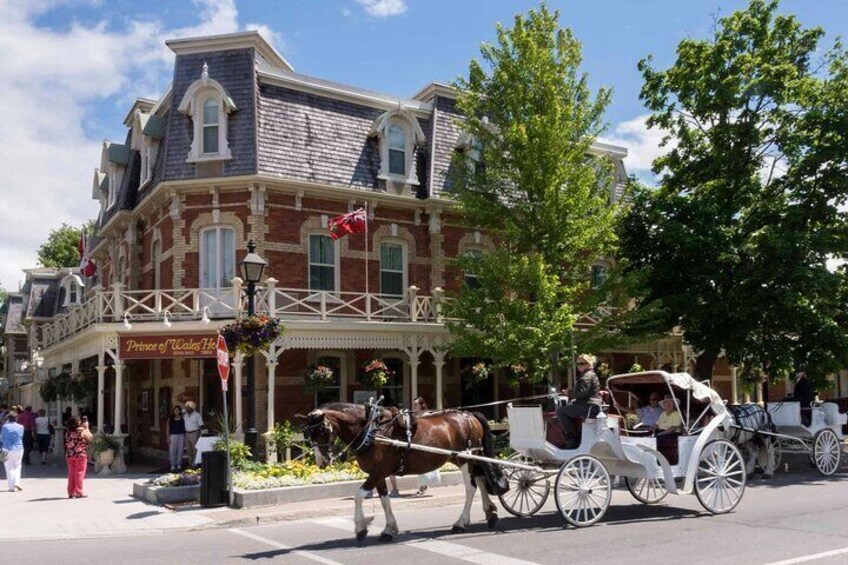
column 252, row 265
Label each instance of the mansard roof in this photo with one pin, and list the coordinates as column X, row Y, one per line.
column 231, row 41
column 12, row 313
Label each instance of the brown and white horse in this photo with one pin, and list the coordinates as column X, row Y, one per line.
column 356, row 426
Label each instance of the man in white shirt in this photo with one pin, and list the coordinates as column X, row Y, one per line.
column 193, row 425
column 43, row 433
column 650, row 414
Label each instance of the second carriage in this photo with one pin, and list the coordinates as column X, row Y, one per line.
column 701, row 458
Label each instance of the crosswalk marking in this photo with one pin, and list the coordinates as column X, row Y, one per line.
column 278, row 545
column 447, row 549
column 812, row 557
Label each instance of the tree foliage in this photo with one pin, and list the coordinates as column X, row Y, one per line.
column 61, row 248
column 527, row 181
column 734, row 243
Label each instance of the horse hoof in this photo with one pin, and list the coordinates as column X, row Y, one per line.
column 386, row 537
column 457, row 529
column 361, row 535
column 492, row 522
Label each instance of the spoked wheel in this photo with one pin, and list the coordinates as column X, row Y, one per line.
column 777, row 446
column 528, row 490
column 583, row 490
column 826, row 452
column 646, row 491
column 720, row 480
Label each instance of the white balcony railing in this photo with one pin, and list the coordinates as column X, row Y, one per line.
column 118, row 304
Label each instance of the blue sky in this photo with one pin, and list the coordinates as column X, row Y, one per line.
column 71, row 69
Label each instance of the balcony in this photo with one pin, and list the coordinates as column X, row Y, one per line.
column 117, row 304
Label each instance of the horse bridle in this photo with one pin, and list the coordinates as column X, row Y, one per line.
column 365, row 437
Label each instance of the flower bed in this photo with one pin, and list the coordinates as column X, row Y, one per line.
column 294, row 473
column 188, row 477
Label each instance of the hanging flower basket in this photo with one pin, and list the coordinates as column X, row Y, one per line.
column 375, row 375
column 477, row 373
column 66, row 387
column 251, row 334
column 516, row 375
column 318, row 378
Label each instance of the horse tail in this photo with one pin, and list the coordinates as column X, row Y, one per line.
column 496, row 482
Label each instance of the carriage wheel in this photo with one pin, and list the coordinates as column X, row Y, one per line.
column 528, row 490
column 582, row 490
column 777, row 446
column 826, row 452
column 720, row 479
column 646, row 491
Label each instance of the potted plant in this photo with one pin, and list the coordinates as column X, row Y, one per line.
column 375, row 375
column 251, row 334
column 318, row 378
column 105, row 448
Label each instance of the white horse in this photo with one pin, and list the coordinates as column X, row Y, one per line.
column 752, row 419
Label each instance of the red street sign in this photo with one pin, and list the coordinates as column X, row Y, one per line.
column 223, row 361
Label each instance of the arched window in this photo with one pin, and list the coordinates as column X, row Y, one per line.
column 217, row 257
column 599, row 275
column 210, row 126
column 322, row 263
column 397, row 150
column 472, row 256
column 392, row 268
column 156, row 259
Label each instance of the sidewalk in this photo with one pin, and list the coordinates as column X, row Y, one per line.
column 43, row 511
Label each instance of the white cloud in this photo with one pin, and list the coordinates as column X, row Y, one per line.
column 383, row 8
column 643, row 144
column 53, row 81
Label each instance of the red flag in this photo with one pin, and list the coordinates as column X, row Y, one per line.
column 87, row 266
column 354, row 222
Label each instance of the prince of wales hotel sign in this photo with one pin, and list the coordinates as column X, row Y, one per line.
column 167, row 347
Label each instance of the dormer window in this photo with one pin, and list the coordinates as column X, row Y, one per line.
column 210, row 126
column 208, row 104
column 73, row 286
column 399, row 133
column 397, row 150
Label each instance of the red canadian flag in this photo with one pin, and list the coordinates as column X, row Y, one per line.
column 223, row 361
column 354, row 222
column 87, row 266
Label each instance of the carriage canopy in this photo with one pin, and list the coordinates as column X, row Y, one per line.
column 674, row 382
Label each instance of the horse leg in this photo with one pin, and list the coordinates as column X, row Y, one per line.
column 465, row 517
column 360, row 521
column 765, row 457
column 751, row 453
column 488, row 506
column 391, row 529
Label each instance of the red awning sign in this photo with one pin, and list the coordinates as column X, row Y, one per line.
column 223, row 361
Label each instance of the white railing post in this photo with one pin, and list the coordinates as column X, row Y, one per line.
column 157, row 302
column 98, row 305
column 368, row 306
column 271, row 296
column 323, row 305
column 413, row 303
column 438, row 295
column 118, row 301
column 237, row 282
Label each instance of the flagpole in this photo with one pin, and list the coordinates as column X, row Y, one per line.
column 367, row 298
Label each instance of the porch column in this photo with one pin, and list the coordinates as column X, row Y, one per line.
column 101, row 393
column 118, row 466
column 439, row 362
column 414, row 355
column 759, row 393
column 272, row 387
column 238, row 365
column 734, row 399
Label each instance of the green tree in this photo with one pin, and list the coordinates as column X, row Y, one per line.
column 61, row 247
column 528, row 181
column 733, row 245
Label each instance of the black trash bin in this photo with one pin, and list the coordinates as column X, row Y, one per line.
column 213, row 479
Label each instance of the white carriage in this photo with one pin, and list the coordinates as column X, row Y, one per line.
column 821, row 440
column 708, row 465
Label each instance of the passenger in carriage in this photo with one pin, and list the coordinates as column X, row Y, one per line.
column 804, row 395
column 648, row 415
column 669, row 421
column 585, row 401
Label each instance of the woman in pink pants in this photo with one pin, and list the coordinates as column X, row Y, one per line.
column 77, row 438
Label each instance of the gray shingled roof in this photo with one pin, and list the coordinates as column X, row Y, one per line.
column 43, row 298
column 13, row 311
column 155, row 127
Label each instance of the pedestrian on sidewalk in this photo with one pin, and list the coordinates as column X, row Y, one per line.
column 176, row 438
column 27, row 420
column 77, row 439
column 43, row 434
column 193, row 425
column 12, row 444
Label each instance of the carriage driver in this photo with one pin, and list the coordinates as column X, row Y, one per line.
column 586, row 396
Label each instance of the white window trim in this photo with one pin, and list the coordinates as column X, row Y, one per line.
column 467, row 251
column 413, row 136
column 67, row 283
column 336, row 260
column 405, row 250
column 192, row 105
column 201, row 239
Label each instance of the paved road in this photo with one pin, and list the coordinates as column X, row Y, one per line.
column 799, row 517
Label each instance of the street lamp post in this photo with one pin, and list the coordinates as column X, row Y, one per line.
column 251, row 269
